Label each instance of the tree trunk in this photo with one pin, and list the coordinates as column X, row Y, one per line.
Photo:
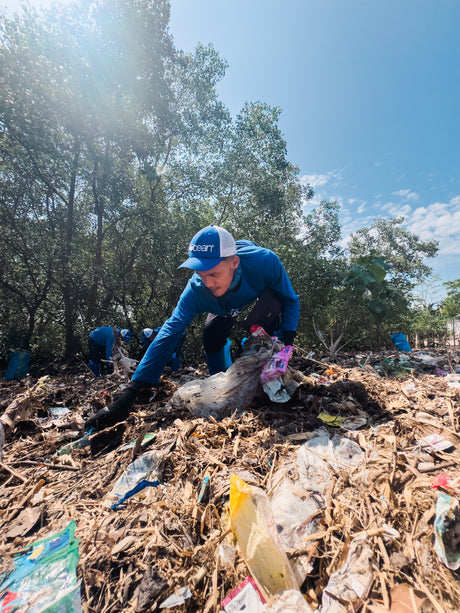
column 68, row 282
column 92, row 309
column 378, row 329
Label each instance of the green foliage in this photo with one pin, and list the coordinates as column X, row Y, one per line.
column 427, row 324
column 366, row 278
column 402, row 250
column 451, row 304
column 368, row 285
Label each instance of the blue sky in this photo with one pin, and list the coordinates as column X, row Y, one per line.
column 370, row 99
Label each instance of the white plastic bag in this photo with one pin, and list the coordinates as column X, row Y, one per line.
column 123, row 363
column 290, row 601
column 314, row 456
column 351, row 583
column 221, row 394
column 146, row 468
column 298, row 490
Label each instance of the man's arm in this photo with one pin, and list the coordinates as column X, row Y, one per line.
column 280, row 283
column 160, row 349
column 110, row 344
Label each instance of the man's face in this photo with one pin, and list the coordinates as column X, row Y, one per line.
column 219, row 278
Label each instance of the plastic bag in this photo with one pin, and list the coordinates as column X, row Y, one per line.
column 277, row 365
column 244, row 597
column 252, row 523
column 401, row 342
column 221, row 394
column 18, row 364
column 314, row 456
column 290, row 601
column 282, row 389
column 123, row 363
column 298, row 489
column 143, row 472
column 350, row 584
column 278, row 381
column 447, row 531
column 179, row 597
column 45, row 578
column 293, row 510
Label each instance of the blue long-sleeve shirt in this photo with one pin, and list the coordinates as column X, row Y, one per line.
column 105, row 337
column 258, row 269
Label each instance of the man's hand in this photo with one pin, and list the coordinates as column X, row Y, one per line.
column 147, row 392
column 107, row 367
column 288, row 337
column 153, row 392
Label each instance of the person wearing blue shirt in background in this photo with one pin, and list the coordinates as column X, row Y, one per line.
column 228, row 277
column 147, row 337
column 102, row 342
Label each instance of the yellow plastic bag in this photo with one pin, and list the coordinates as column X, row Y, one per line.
column 253, row 525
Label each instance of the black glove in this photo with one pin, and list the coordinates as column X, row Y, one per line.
column 288, row 337
column 107, row 368
column 118, row 410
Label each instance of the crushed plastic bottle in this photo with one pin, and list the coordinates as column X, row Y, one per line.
column 143, row 472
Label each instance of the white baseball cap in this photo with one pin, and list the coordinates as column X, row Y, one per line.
column 208, row 248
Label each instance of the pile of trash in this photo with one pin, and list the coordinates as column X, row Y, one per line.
column 285, row 484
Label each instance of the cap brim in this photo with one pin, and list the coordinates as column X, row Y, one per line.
column 201, row 265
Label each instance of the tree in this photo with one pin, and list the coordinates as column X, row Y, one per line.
column 54, row 137
column 450, row 306
column 88, row 118
column 256, row 192
column 367, row 281
column 428, row 324
column 318, row 266
column 402, row 250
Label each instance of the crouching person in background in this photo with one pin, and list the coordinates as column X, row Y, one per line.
column 148, row 335
column 102, row 343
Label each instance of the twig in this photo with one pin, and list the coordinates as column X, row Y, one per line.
column 369, row 533
column 312, row 537
column 47, row 464
column 431, row 469
column 386, row 598
column 421, row 586
column 13, row 472
column 86, row 365
column 450, row 407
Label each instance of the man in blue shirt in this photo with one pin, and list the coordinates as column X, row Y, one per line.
column 148, row 335
column 101, row 344
column 228, row 277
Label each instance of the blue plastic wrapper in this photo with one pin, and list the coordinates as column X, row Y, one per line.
column 401, row 342
column 143, row 472
column 447, row 531
column 45, row 577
